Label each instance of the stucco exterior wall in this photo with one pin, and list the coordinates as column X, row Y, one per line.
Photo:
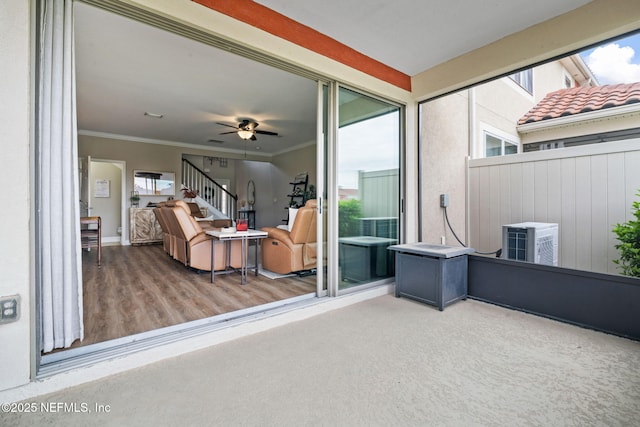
column 499, row 104
column 549, row 77
column 444, row 146
column 16, row 223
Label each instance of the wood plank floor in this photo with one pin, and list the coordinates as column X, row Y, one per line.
column 140, row 288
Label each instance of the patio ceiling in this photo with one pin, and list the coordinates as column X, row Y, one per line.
column 126, row 68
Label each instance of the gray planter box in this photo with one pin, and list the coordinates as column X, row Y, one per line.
column 432, row 274
column 604, row 302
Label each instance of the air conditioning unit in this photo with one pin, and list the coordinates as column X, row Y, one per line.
column 535, row 242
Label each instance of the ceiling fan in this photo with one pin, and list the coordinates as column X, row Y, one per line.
column 247, row 130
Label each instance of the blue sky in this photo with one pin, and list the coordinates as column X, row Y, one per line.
column 616, row 61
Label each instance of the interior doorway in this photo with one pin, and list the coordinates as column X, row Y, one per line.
column 104, row 191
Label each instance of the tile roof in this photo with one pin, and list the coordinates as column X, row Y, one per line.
column 567, row 102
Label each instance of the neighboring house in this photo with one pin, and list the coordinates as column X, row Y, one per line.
column 582, row 115
column 497, row 106
column 480, row 122
column 347, row 193
column 551, row 106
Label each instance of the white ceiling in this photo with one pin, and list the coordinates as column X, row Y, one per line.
column 125, row 68
column 415, row 35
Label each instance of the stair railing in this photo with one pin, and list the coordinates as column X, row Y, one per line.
column 212, row 192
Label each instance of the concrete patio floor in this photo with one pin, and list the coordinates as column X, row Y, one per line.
column 385, row 361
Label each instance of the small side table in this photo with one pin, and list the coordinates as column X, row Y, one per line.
column 250, row 216
column 244, row 237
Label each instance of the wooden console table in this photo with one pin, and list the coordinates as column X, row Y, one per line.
column 143, row 226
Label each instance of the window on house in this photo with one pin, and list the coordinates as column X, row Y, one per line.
column 524, row 79
column 568, row 83
column 496, row 146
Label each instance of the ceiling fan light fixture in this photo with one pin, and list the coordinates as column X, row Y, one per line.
column 245, row 134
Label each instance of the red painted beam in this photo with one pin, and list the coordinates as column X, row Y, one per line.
column 266, row 19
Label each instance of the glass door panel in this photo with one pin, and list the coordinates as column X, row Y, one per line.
column 368, row 180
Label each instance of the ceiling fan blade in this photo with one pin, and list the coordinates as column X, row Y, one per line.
column 266, row 132
column 253, row 138
column 225, row 133
column 224, row 124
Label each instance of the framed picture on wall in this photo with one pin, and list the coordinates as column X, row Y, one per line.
column 102, row 188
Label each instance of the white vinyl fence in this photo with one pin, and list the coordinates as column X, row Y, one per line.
column 379, row 192
column 585, row 189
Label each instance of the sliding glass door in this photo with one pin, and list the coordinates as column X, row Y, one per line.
column 368, row 187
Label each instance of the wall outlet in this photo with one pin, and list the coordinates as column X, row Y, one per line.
column 9, row 309
column 443, row 241
column 444, row 200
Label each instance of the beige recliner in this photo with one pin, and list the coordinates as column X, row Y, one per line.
column 192, row 246
column 166, row 231
column 289, row 251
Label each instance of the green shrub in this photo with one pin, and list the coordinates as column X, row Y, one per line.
column 349, row 218
column 629, row 236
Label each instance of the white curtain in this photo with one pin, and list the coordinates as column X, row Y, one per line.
column 57, row 192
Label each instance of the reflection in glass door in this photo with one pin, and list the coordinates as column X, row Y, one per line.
column 368, row 180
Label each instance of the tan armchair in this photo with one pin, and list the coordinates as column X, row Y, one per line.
column 289, row 251
column 166, row 232
column 192, row 246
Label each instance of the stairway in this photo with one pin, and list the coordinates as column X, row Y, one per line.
column 218, row 200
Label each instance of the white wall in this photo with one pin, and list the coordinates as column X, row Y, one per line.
column 107, row 208
column 288, row 165
column 264, row 177
column 586, row 190
column 16, row 223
